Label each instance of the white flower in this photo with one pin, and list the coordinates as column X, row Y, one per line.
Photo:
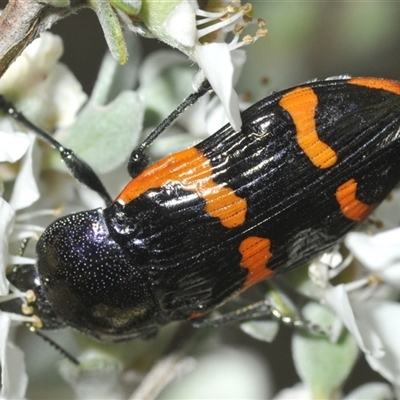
column 366, row 311
column 201, row 34
column 14, row 380
column 41, row 87
column 14, row 145
column 372, row 391
column 364, row 306
column 230, row 373
column 7, row 216
column 161, row 71
column 13, row 377
column 299, row 392
column 48, row 94
column 364, row 302
column 380, row 253
column 221, row 63
column 374, row 325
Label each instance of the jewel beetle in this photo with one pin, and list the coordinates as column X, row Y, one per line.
column 200, row 226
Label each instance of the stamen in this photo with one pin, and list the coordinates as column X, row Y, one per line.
column 233, row 43
column 30, row 296
column 27, row 310
column 224, row 19
column 15, row 260
column 238, row 29
column 12, row 296
column 262, row 32
column 334, row 272
column 23, row 318
column 247, row 19
column 37, row 322
column 219, row 25
column 211, row 15
column 261, row 23
column 205, row 21
column 23, row 235
column 247, row 8
column 14, row 289
column 374, row 279
column 356, row 284
column 54, row 212
column 248, row 39
column 30, row 227
column 27, row 297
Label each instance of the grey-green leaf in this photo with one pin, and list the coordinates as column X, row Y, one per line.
column 105, row 135
column 322, row 365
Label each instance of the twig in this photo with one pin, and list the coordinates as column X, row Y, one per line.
column 24, row 20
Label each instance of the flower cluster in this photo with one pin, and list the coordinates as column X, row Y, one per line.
column 49, row 94
column 210, row 36
column 358, row 291
column 35, row 186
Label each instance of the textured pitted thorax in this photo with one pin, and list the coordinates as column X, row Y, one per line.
column 91, row 282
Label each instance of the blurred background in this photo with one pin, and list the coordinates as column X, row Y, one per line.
column 306, row 40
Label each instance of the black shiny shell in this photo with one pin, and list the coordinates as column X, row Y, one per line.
column 164, row 250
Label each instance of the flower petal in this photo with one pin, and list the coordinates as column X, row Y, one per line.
column 374, row 325
column 29, row 68
column 13, row 146
column 261, row 330
column 7, row 215
column 14, row 380
column 367, row 338
column 383, row 317
column 299, row 392
column 371, row 391
column 375, row 252
column 378, row 253
column 226, row 377
column 180, row 24
column 216, row 62
column 25, row 191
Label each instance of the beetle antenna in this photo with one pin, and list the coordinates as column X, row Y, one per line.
column 78, row 168
column 56, row 346
column 138, row 159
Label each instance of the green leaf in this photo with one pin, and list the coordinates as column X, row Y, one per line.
column 323, row 366
column 153, row 13
column 93, row 378
column 261, row 330
column 131, row 7
column 56, row 3
column 105, row 134
column 112, row 29
column 113, row 78
column 166, row 91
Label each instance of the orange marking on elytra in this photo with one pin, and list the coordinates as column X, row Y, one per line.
column 301, row 103
column 377, row 83
column 255, row 253
column 352, row 208
column 193, row 171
